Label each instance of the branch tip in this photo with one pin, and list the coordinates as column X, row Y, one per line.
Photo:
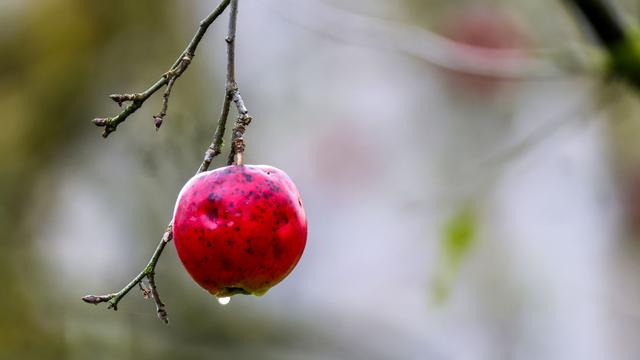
column 157, row 121
column 122, row 98
column 94, row 299
column 100, row 121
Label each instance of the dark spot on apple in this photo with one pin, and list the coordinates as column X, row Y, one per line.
column 277, row 248
column 248, row 177
column 237, row 228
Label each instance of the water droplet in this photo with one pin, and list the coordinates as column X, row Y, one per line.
column 224, row 300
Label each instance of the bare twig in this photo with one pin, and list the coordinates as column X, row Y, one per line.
column 147, row 272
column 233, row 93
column 180, row 65
column 146, row 292
column 214, row 149
column 160, row 308
column 157, row 119
column 231, row 84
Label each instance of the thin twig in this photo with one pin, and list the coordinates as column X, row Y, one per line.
column 160, row 308
column 110, row 124
column 231, row 88
column 212, row 151
column 157, row 119
column 233, row 92
column 114, row 299
column 146, row 292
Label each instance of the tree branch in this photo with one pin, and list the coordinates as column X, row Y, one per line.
column 347, row 27
column 233, row 93
column 214, row 149
column 136, row 100
column 148, row 272
column 622, row 44
column 602, row 19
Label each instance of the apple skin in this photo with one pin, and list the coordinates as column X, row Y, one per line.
column 239, row 229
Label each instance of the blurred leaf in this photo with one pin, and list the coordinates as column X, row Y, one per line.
column 457, row 238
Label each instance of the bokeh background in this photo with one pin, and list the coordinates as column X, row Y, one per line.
column 452, row 216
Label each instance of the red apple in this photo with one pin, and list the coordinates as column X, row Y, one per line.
column 239, row 229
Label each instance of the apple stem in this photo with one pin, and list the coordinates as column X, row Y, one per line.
column 238, row 160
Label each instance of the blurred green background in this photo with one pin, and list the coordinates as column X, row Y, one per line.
column 452, row 216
